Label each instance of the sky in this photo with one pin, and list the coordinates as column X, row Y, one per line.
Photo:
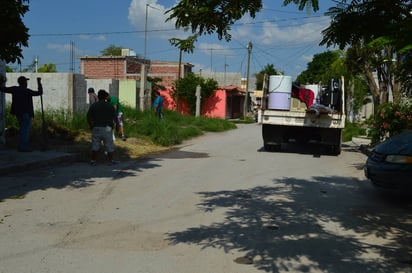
column 61, row 31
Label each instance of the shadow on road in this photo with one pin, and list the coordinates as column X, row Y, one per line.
column 323, row 224
column 17, row 185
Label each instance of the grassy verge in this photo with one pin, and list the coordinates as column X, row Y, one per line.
column 352, row 130
column 145, row 133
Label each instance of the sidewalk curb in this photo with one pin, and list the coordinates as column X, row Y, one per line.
column 45, row 161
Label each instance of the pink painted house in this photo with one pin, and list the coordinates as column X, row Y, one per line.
column 226, row 103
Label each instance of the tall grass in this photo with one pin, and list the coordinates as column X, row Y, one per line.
column 352, row 130
column 171, row 130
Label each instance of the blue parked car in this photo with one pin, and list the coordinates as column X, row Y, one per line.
column 389, row 165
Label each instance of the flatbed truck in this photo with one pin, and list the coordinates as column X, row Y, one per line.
column 322, row 122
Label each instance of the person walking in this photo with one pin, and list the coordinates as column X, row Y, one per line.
column 22, row 108
column 101, row 118
column 158, row 104
column 119, row 112
column 92, row 96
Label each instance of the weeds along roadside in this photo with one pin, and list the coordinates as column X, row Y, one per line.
column 69, row 127
column 172, row 130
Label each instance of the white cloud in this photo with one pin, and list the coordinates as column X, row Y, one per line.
column 213, row 48
column 273, row 34
column 156, row 19
column 63, row 48
column 93, row 37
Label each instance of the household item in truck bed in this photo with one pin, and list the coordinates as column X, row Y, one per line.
column 280, row 88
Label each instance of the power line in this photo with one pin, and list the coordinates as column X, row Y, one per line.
column 159, row 30
column 97, row 33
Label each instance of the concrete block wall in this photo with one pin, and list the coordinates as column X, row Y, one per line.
column 63, row 91
column 55, row 89
column 128, row 93
column 110, row 85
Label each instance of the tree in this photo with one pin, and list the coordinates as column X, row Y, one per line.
column 184, row 45
column 371, row 30
column 186, row 89
column 112, row 50
column 210, row 16
column 13, row 32
column 155, row 83
column 269, row 69
column 10, row 69
column 47, row 68
column 318, row 70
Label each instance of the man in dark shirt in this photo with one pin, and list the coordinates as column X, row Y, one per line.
column 101, row 118
column 22, row 107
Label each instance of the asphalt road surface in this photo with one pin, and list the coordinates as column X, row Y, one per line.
column 218, row 203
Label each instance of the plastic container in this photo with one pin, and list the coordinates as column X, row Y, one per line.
column 279, row 100
column 280, row 83
column 280, row 89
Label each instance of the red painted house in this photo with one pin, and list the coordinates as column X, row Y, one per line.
column 226, row 103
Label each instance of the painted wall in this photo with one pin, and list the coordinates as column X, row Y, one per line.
column 128, row 94
column 170, row 104
column 68, row 91
column 110, row 85
column 215, row 106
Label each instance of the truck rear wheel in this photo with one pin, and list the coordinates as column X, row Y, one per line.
column 272, row 137
column 335, row 149
column 271, row 147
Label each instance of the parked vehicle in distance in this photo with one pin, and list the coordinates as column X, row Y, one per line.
column 296, row 113
column 389, row 165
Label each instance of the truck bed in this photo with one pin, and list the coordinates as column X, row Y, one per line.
column 307, row 118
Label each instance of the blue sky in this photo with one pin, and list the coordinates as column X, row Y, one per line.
column 282, row 36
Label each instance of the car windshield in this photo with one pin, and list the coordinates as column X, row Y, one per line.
column 399, row 144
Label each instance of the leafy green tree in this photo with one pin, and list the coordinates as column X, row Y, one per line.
column 318, row 70
column 9, row 69
column 372, row 30
column 186, row 89
column 211, row 16
column 49, row 68
column 112, row 50
column 13, row 32
column 356, row 88
column 269, row 69
column 185, row 45
column 156, row 83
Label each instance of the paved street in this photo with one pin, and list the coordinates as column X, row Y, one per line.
column 217, row 204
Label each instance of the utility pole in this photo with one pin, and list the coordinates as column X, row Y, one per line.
column 145, row 34
column 245, row 108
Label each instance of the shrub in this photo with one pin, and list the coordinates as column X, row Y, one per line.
column 389, row 119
